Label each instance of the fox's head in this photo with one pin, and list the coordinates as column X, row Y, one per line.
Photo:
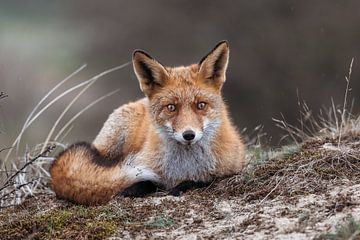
column 185, row 102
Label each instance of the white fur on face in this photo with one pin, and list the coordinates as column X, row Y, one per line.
column 208, row 130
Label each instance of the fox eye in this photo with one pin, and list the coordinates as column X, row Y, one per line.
column 171, row 107
column 201, row 105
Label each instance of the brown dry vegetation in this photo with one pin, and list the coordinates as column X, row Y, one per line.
column 302, row 191
column 306, row 170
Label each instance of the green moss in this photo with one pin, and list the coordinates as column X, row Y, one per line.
column 161, row 221
column 55, row 221
column 348, row 230
column 66, row 223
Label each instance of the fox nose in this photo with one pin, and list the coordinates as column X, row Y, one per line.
column 188, row 135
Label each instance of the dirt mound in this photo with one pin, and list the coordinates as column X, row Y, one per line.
column 312, row 168
column 299, row 192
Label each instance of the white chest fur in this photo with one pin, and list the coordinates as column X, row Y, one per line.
column 180, row 163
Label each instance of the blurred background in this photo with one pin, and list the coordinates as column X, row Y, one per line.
column 278, row 49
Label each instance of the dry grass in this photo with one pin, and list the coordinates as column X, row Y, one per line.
column 24, row 172
column 297, row 171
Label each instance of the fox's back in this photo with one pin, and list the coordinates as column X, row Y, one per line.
column 125, row 131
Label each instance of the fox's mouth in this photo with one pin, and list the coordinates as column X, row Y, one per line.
column 186, row 143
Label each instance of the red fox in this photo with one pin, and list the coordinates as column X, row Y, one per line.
column 179, row 132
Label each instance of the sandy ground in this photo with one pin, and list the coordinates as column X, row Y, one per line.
column 195, row 215
column 302, row 217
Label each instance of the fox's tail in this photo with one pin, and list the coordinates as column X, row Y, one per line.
column 80, row 174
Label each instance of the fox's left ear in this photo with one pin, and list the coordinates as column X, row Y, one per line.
column 213, row 66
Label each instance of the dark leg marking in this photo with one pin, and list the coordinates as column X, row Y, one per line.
column 140, row 189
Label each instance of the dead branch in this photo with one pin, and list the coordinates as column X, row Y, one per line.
column 4, row 149
column 3, row 95
column 20, row 170
column 7, row 195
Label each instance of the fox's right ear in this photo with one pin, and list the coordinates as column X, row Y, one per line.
column 213, row 66
column 150, row 73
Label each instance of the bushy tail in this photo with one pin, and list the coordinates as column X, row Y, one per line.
column 81, row 175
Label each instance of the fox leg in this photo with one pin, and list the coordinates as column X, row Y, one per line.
column 111, row 138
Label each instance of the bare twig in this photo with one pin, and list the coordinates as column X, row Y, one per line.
column 4, row 149
column 272, row 190
column 3, row 95
column 6, row 195
column 31, row 161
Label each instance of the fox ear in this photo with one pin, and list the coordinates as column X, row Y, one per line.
column 150, row 73
column 213, row 66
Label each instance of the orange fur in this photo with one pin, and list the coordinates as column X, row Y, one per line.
column 145, row 140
